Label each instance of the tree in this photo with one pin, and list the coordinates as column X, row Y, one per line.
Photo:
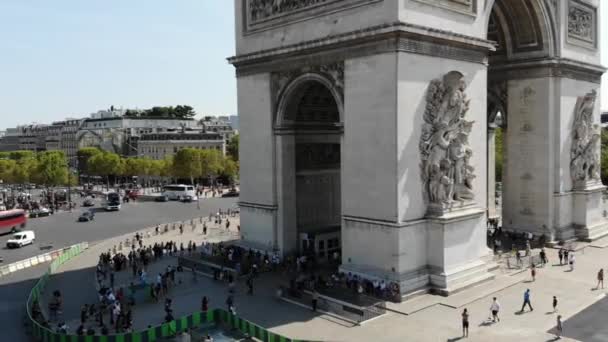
column 105, row 164
column 25, row 166
column 233, row 148
column 187, row 164
column 83, row 155
column 211, row 163
column 604, row 155
column 52, row 168
column 499, row 139
column 230, row 169
column 19, row 155
column 7, row 167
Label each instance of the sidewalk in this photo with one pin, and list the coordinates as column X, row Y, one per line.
column 424, row 318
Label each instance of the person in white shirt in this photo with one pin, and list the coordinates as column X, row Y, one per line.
column 495, row 308
column 572, row 259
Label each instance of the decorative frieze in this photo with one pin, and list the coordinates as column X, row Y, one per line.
column 582, row 24
column 584, row 153
column 468, row 7
column 264, row 14
column 447, row 175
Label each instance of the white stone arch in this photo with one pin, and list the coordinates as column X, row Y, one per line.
column 545, row 11
column 291, row 89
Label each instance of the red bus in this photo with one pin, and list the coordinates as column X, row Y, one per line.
column 12, row 220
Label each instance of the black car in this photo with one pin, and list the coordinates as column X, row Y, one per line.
column 86, row 216
column 40, row 212
column 88, row 203
column 231, row 193
column 162, row 198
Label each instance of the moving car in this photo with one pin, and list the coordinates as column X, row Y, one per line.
column 88, row 203
column 40, row 212
column 162, row 198
column 231, row 193
column 86, row 216
column 21, row 239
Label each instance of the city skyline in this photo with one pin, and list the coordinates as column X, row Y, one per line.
column 77, row 58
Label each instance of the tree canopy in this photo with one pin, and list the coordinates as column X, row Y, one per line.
column 177, row 112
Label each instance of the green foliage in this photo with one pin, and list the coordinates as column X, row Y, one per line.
column 233, row 148
column 83, row 155
column 604, row 155
column 187, row 163
column 178, row 112
column 51, row 168
column 19, row 155
column 499, row 142
column 7, row 167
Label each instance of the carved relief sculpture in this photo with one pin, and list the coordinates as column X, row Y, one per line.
column 263, row 9
column 445, row 152
column 584, row 153
column 580, row 23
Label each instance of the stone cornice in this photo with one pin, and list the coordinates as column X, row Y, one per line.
column 398, row 36
column 553, row 67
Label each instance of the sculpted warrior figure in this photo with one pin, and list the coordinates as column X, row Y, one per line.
column 445, row 152
column 584, row 153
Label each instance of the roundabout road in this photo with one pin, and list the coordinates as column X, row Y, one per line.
column 62, row 229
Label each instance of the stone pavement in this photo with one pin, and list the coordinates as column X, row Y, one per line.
column 425, row 318
column 77, row 278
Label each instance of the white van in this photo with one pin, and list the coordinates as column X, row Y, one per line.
column 20, row 239
column 179, row 192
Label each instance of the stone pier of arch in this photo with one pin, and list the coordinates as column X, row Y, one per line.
column 378, row 59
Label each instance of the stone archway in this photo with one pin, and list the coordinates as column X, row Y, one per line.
column 308, row 127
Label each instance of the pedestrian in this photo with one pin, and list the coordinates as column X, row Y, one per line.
column 571, row 262
column 554, row 304
column 495, row 309
column 528, row 248
column 465, row 323
column 315, row 299
column 205, row 304
column 560, row 254
column 250, row 286
column 543, row 256
column 112, row 279
column 527, row 301
column 518, row 259
column 566, row 256
column 533, row 272
column 559, row 329
column 84, row 311
column 600, row 278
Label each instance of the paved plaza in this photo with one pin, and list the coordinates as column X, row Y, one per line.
column 423, row 318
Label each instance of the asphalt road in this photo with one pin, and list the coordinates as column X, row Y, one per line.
column 62, row 229
column 589, row 325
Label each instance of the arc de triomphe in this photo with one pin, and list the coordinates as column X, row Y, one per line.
column 367, row 129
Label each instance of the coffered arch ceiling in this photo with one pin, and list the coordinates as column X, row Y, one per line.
column 523, row 29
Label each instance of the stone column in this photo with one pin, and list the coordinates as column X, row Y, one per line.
column 492, row 171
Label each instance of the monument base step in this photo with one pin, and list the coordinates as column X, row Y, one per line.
column 590, row 234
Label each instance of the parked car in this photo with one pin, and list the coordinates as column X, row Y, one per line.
column 40, row 212
column 88, row 203
column 231, row 193
column 21, row 239
column 86, row 216
column 162, row 198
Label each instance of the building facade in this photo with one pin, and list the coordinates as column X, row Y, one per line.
column 10, row 140
column 167, row 144
column 120, row 135
column 377, row 117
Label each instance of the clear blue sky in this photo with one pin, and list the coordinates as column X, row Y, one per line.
column 62, row 58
